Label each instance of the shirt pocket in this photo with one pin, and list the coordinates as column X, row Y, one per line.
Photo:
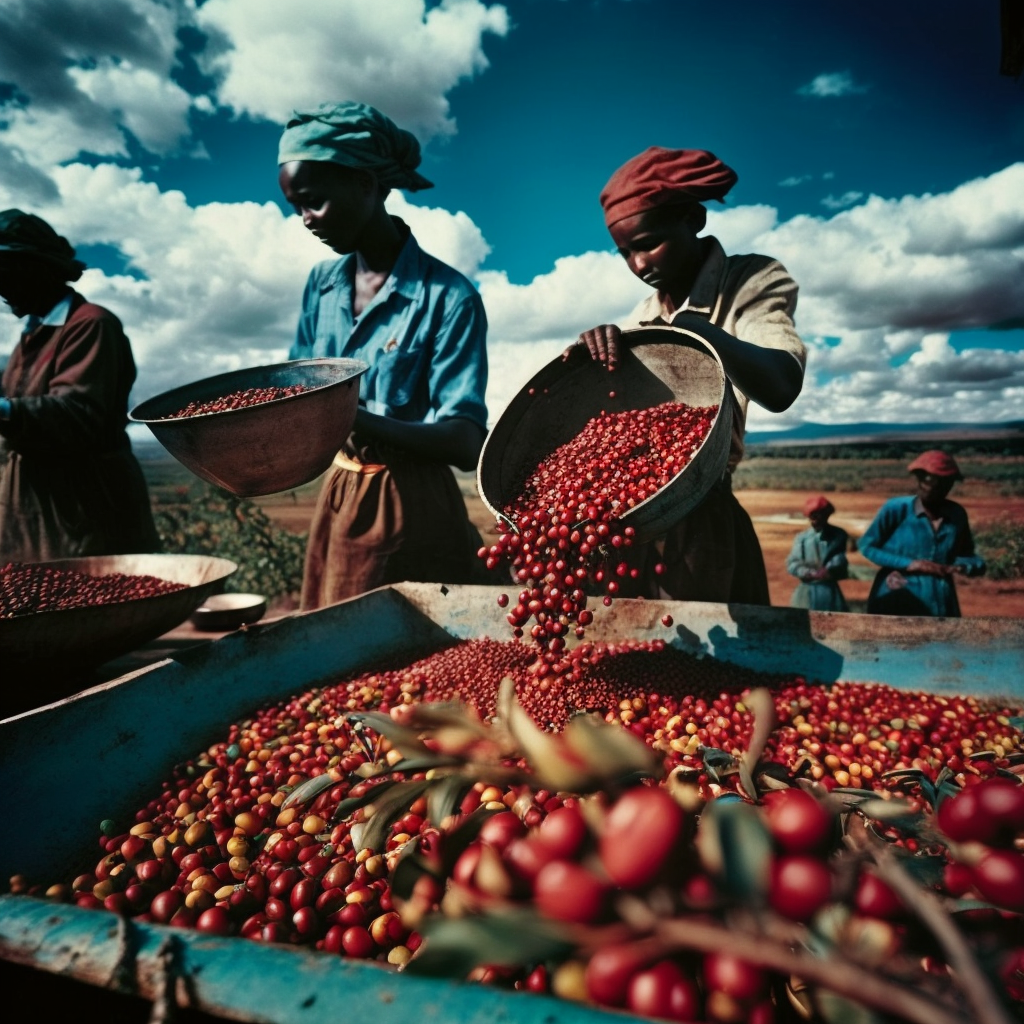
column 399, row 370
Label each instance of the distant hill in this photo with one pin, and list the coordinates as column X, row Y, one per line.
column 866, row 433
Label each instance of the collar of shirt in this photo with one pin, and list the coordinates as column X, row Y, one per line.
column 920, row 510
column 405, row 278
column 703, row 295
column 57, row 317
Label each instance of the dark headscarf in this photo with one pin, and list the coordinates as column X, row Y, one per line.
column 28, row 234
column 358, row 136
column 662, row 177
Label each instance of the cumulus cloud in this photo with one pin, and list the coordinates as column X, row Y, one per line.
column 835, row 83
column 397, row 56
column 82, row 75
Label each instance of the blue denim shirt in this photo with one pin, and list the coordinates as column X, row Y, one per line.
column 902, row 533
column 423, row 336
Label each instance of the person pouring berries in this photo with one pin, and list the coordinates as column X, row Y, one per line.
column 654, row 209
column 922, row 542
column 818, row 560
column 69, row 483
column 390, row 508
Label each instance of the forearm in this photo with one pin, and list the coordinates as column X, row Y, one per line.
column 770, row 377
column 455, row 442
column 42, row 423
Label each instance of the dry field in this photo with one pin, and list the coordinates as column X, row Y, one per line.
column 777, row 519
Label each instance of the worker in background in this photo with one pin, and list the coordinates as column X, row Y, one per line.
column 922, row 542
column 654, row 210
column 69, row 483
column 818, row 560
column 390, row 508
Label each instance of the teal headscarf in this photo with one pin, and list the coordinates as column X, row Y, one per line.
column 358, row 136
column 26, row 233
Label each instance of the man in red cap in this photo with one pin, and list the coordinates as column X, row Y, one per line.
column 818, row 560
column 654, row 210
column 922, row 542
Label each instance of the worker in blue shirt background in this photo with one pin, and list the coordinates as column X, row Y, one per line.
column 818, row 560
column 922, row 542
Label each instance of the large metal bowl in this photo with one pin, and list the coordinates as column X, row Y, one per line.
column 264, row 448
column 658, row 364
column 49, row 655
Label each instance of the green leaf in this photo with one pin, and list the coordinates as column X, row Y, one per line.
column 609, row 751
column 408, row 871
column 836, row 1009
column 892, row 812
column 925, row 870
column 309, row 790
column 454, row 946
column 353, row 803
column 762, row 706
column 445, row 795
column 405, row 739
column 744, row 846
column 388, row 808
column 1017, row 722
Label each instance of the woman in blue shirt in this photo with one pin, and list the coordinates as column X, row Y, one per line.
column 390, row 508
column 818, row 560
column 922, row 542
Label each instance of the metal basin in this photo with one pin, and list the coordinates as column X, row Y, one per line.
column 48, row 655
column 264, row 448
column 659, row 364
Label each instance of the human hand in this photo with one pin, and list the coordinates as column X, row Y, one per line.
column 603, row 344
column 925, row 567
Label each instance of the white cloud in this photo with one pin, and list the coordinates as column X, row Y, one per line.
column 836, row 83
column 452, row 237
column 83, row 74
column 393, row 54
column 841, row 202
column 795, row 179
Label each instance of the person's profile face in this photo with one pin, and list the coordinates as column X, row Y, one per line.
column 660, row 246
column 334, row 202
column 26, row 284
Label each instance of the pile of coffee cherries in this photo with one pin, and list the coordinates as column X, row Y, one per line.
column 562, row 536
column 26, row 589
column 237, row 400
column 246, row 838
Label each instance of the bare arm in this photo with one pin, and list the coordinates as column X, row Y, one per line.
column 771, row 377
column 455, row 442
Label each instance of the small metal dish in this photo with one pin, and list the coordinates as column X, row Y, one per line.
column 225, row 612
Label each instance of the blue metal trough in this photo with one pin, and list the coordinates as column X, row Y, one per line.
column 99, row 754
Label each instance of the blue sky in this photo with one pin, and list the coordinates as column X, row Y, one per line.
column 880, row 157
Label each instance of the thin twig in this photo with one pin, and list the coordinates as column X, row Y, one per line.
column 839, row 976
column 926, row 905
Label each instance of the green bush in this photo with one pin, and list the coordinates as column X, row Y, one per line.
column 1001, row 544
column 204, row 520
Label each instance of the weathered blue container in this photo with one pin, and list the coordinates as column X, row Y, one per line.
column 99, row 754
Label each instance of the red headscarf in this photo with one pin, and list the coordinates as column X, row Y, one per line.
column 818, row 504
column 659, row 177
column 936, row 462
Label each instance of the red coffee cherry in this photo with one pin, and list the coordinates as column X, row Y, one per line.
column 734, row 977
column 797, row 821
column 664, row 991
column 567, row 891
column 638, row 834
column 800, row 886
column 999, row 877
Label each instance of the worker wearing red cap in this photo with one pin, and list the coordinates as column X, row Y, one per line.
column 654, row 210
column 922, row 542
column 818, row 560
